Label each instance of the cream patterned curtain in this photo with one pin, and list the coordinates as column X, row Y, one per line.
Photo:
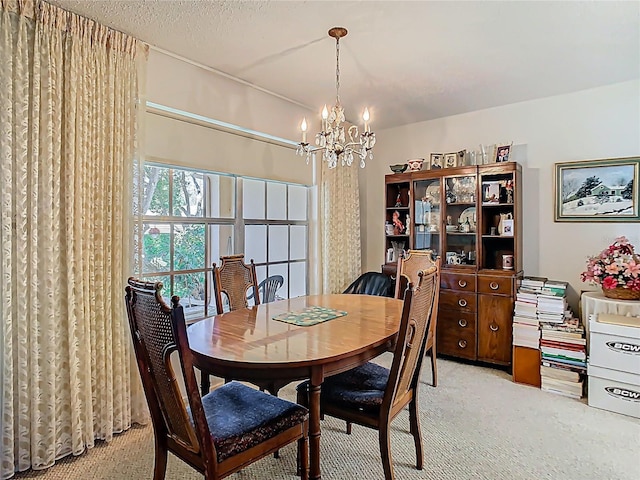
column 68, row 123
column 340, row 227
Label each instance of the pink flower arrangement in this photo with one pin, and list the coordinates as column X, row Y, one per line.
column 617, row 266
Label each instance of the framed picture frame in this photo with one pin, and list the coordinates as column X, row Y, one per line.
column 603, row 190
column 450, row 160
column 435, row 161
column 491, row 192
column 502, row 153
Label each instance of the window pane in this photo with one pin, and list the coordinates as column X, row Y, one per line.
column 156, row 244
column 222, row 196
column 187, row 193
column 188, row 247
column 155, row 191
column 220, row 241
column 276, row 201
column 255, row 243
column 298, row 239
column 298, row 279
column 190, row 289
column 297, row 202
column 261, row 273
column 284, row 271
column 278, row 243
column 253, row 199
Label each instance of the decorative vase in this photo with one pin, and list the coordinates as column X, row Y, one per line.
column 621, row 293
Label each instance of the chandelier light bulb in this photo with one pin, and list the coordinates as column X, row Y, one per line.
column 365, row 117
column 303, row 127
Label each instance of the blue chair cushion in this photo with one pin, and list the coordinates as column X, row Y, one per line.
column 241, row 417
column 361, row 388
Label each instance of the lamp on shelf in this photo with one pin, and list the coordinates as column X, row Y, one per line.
column 332, row 140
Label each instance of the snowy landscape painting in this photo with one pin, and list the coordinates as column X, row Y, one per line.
column 597, row 191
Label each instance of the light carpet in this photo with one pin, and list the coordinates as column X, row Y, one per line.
column 477, row 424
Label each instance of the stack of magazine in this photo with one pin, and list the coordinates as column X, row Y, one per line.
column 564, row 357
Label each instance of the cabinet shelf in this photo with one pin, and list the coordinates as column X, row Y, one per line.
column 493, row 204
column 397, row 208
column 461, row 233
column 498, row 237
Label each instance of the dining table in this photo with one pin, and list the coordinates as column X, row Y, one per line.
column 250, row 345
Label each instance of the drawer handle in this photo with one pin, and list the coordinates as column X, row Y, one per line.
column 462, row 283
column 462, row 322
column 462, row 302
column 494, row 286
column 494, row 327
column 462, row 343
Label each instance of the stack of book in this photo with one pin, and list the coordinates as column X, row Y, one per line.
column 564, row 357
column 525, row 321
column 552, row 303
column 526, row 333
column 525, row 316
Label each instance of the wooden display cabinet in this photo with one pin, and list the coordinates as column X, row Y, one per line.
column 472, row 218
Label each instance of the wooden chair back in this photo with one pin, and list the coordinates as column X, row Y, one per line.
column 408, row 267
column 237, row 281
column 157, row 331
column 418, row 313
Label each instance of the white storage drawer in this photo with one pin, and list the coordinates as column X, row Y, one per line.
column 614, row 346
column 614, row 391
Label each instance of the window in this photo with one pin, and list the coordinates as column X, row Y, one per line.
column 189, row 220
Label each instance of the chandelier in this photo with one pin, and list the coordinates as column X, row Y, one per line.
column 332, row 140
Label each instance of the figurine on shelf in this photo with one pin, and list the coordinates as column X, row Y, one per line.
column 398, row 226
column 509, row 188
column 398, row 200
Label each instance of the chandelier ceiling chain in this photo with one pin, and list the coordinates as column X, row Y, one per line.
column 332, row 140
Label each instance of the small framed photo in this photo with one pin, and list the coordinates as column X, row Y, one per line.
column 507, row 228
column 502, row 153
column 435, row 161
column 450, row 160
column 461, row 161
column 491, row 192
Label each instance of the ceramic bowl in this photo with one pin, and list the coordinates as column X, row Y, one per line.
column 415, row 164
column 399, row 168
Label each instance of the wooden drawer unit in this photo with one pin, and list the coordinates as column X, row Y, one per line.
column 458, row 301
column 456, row 334
column 496, row 285
column 458, row 281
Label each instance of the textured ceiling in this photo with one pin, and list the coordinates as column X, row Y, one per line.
column 409, row 61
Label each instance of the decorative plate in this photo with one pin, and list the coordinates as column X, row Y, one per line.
column 470, row 214
column 433, row 193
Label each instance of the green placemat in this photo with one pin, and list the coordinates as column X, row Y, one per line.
column 309, row 316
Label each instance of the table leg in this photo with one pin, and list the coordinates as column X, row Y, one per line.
column 314, row 431
column 205, row 382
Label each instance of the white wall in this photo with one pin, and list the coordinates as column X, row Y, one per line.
column 591, row 124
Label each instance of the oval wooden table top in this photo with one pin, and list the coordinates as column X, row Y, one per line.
column 250, row 337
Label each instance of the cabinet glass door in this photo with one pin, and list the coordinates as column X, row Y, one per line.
column 460, row 221
column 427, row 222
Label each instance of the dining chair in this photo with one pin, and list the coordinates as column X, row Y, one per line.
column 268, row 288
column 408, row 268
column 371, row 283
column 218, row 433
column 372, row 395
column 236, row 280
